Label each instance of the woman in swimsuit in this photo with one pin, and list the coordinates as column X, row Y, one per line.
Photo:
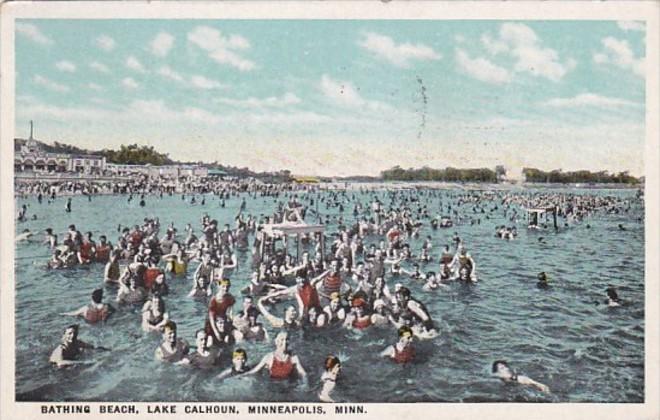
column 154, row 316
column 95, row 311
column 402, row 351
column 281, row 363
column 358, row 318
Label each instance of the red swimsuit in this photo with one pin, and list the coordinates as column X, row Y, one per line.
column 404, row 356
column 281, row 369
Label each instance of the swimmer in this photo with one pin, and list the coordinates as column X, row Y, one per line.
column 613, row 299
column 334, row 310
column 542, row 280
column 111, row 272
column 239, row 365
column 379, row 316
column 131, row 294
column 171, row 349
column 221, row 305
column 332, row 367
column 95, row 311
column 281, row 363
column 24, row 236
column 288, row 321
column 50, row 239
column 204, row 356
column 70, row 348
column 402, row 351
column 254, row 330
column 358, row 318
column 502, row 370
column 154, row 315
column 316, row 317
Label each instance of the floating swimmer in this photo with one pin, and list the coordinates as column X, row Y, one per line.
column 502, row 370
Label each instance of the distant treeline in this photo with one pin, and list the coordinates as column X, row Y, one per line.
column 583, row 177
column 448, row 174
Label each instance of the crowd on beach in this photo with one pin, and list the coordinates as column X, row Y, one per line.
column 356, row 277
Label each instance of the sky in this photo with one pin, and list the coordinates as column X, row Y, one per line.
column 349, row 97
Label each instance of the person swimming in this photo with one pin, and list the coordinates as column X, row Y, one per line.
column 542, row 280
column 154, row 315
column 402, row 351
column 239, row 365
column 502, row 371
column 95, row 311
column 66, row 353
column 171, row 349
column 332, row 367
column 205, row 355
column 281, row 363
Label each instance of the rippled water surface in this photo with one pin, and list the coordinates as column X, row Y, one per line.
column 582, row 351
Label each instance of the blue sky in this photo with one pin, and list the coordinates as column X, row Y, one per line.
column 341, row 97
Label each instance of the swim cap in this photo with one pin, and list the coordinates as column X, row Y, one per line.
column 378, row 303
column 239, row 353
column 334, row 296
column 224, row 282
column 358, row 301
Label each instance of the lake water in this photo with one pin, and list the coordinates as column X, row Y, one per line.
column 582, row 351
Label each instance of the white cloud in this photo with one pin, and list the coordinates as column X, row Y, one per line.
column 482, row 69
column 95, row 87
column 522, row 44
column 590, row 100
column 222, row 49
column 66, row 66
column 531, row 56
column 202, row 82
column 272, row 101
column 106, row 43
column 161, row 45
column 49, row 84
column 630, row 25
column 167, row 72
column 129, row 83
column 33, row 33
column 618, row 52
column 95, row 65
column 346, row 95
column 398, row 54
column 494, row 46
column 134, row 64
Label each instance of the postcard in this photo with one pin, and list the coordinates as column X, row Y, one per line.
column 319, row 209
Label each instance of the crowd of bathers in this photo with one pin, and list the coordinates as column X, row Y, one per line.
column 331, row 279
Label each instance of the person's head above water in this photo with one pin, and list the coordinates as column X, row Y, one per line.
column 332, row 364
column 502, row 370
column 97, row 295
column 70, row 334
column 282, row 341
